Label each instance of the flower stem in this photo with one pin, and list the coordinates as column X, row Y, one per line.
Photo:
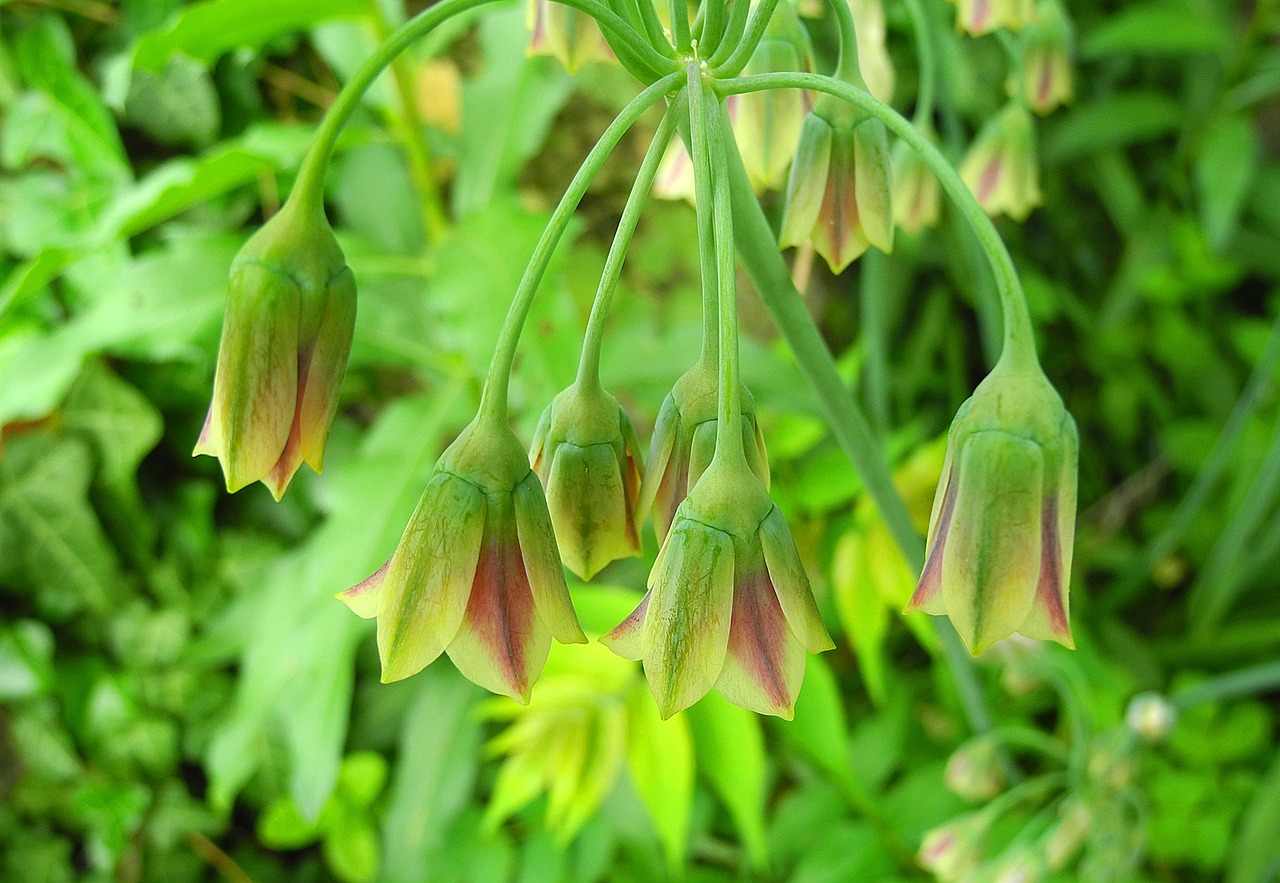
column 680, row 35
column 1262, row 678
column 738, row 55
column 847, row 68
column 493, row 400
column 589, row 365
column 1019, row 352
column 925, row 51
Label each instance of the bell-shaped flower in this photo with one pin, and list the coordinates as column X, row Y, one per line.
column 588, row 458
column 874, row 62
column 839, row 195
column 766, row 125
column 291, row 312
column 1001, row 168
column 978, row 17
column 476, row 573
column 729, row 604
column 683, row 442
column 1046, row 59
column 1000, row 536
column 565, row 33
column 916, row 194
column 953, row 851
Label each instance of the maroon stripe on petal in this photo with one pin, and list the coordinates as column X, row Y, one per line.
column 758, row 636
column 500, row 610
column 1049, row 586
column 931, row 577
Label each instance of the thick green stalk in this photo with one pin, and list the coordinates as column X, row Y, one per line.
column 872, row 290
column 923, row 116
column 1019, row 340
column 493, row 401
column 309, row 188
column 589, row 365
column 757, row 247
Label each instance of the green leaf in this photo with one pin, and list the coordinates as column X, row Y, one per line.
column 506, row 112
column 52, row 541
column 1224, row 174
column 351, row 850
column 26, row 660
column 282, row 826
column 1255, row 857
column 730, row 751
column 1163, row 27
column 362, row 777
column 204, row 31
column 660, row 760
column 178, row 105
column 1114, row 121
column 819, row 730
column 435, row 772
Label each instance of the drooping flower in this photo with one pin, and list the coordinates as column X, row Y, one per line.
column 916, row 194
column 683, row 442
column 839, row 195
column 567, row 34
column 874, row 62
column 587, row 455
column 291, row 312
column 979, row 17
column 1003, row 521
column 476, row 573
column 973, row 770
column 954, row 850
column 1046, row 59
column 1001, row 168
column 729, row 604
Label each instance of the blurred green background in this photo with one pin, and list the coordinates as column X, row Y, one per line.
column 181, row 699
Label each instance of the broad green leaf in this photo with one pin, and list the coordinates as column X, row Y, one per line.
column 1162, row 27
column 730, row 750
column 438, row 760
column 178, row 105
column 362, row 777
column 1224, row 173
column 206, row 30
column 660, row 760
column 281, row 826
column 351, row 850
column 53, row 543
column 1255, row 855
column 862, row 610
column 506, row 112
column 819, row 729
column 1114, row 121
column 26, row 660
column 123, row 427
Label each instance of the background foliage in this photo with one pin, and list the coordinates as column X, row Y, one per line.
column 182, row 699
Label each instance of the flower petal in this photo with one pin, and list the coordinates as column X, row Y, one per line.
column 541, row 563
column 765, row 663
column 627, row 637
column 428, row 581
column 662, row 446
column 503, row 643
column 363, row 597
column 991, row 562
column 325, row 368
column 686, row 629
column 928, row 593
column 787, row 577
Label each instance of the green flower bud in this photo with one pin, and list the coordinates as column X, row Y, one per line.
column 291, row 313
column 1046, row 59
column 476, row 573
column 973, row 770
column 979, row 17
column 684, row 438
column 766, row 125
column 1003, row 522
column 729, row 604
column 588, row 458
column 839, row 195
column 953, row 851
column 570, row 36
column 1001, row 168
